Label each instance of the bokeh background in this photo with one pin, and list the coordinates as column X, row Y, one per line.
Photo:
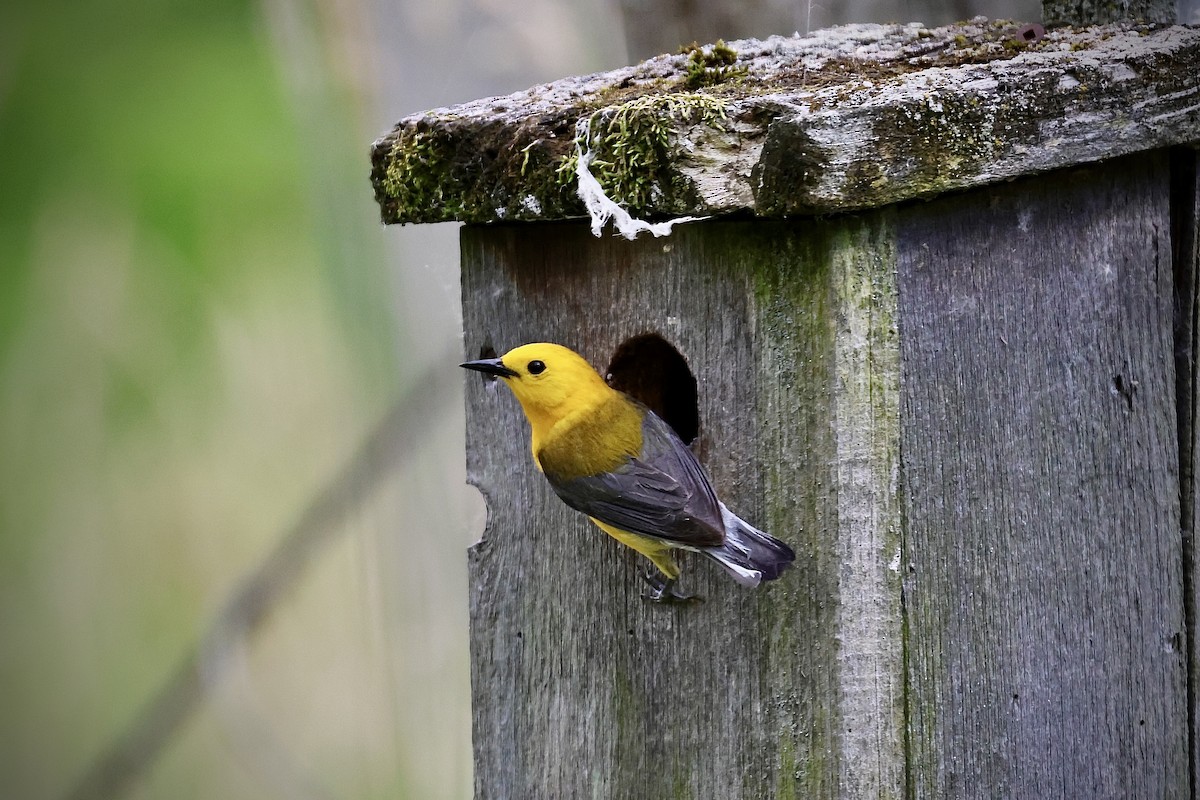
column 233, row 513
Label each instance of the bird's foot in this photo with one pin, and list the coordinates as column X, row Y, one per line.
column 662, row 589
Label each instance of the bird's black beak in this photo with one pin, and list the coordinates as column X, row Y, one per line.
column 490, row 366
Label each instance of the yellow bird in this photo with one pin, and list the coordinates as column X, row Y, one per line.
column 607, row 455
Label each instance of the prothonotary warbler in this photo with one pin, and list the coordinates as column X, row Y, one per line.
column 615, row 460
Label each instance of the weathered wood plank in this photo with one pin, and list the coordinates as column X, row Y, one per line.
column 1044, row 596
column 1185, row 254
column 580, row 688
column 867, row 429
column 848, row 118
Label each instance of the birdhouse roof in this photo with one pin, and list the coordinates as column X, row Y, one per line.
column 846, row 118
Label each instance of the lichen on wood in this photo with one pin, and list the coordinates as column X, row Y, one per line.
column 850, row 117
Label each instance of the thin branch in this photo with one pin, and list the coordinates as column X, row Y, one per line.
column 396, row 437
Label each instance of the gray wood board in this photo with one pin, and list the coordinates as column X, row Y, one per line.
column 851, row 117
column 1044, row 594
column 580, row 688
column 1185, row 250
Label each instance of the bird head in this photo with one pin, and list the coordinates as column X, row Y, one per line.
column 549, row 380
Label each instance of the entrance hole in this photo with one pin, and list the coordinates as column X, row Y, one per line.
column 647, row 368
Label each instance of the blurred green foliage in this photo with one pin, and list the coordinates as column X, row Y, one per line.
column 167, row 110
column 195, row 329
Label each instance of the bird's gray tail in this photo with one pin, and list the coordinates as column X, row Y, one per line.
column 749, row 555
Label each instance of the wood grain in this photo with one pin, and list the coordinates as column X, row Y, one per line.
column 580, row 688
column 965, row 417
column 1046, row 626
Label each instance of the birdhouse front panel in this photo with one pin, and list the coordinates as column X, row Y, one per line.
column 770, row 325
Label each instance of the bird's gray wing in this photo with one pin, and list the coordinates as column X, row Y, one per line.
column 663, row 493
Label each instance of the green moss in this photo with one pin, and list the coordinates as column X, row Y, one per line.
column 417, row 174
column 785, row 786
column 708, row 67
column 636, row 147
column 815, row 769
column 564, row 173
column 444, row 169
column 679, row 788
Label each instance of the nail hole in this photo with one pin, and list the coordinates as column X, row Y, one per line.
column 1031, row 33
column 647, row 368
column 1125, row 389
column 487, row 351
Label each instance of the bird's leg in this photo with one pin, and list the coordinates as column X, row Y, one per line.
column 662, row 589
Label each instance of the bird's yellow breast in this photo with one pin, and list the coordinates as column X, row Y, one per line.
column 593, row 439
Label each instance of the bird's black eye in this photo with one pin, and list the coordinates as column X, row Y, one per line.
column 536, row 367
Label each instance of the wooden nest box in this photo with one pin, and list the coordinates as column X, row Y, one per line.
column 936, row 331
